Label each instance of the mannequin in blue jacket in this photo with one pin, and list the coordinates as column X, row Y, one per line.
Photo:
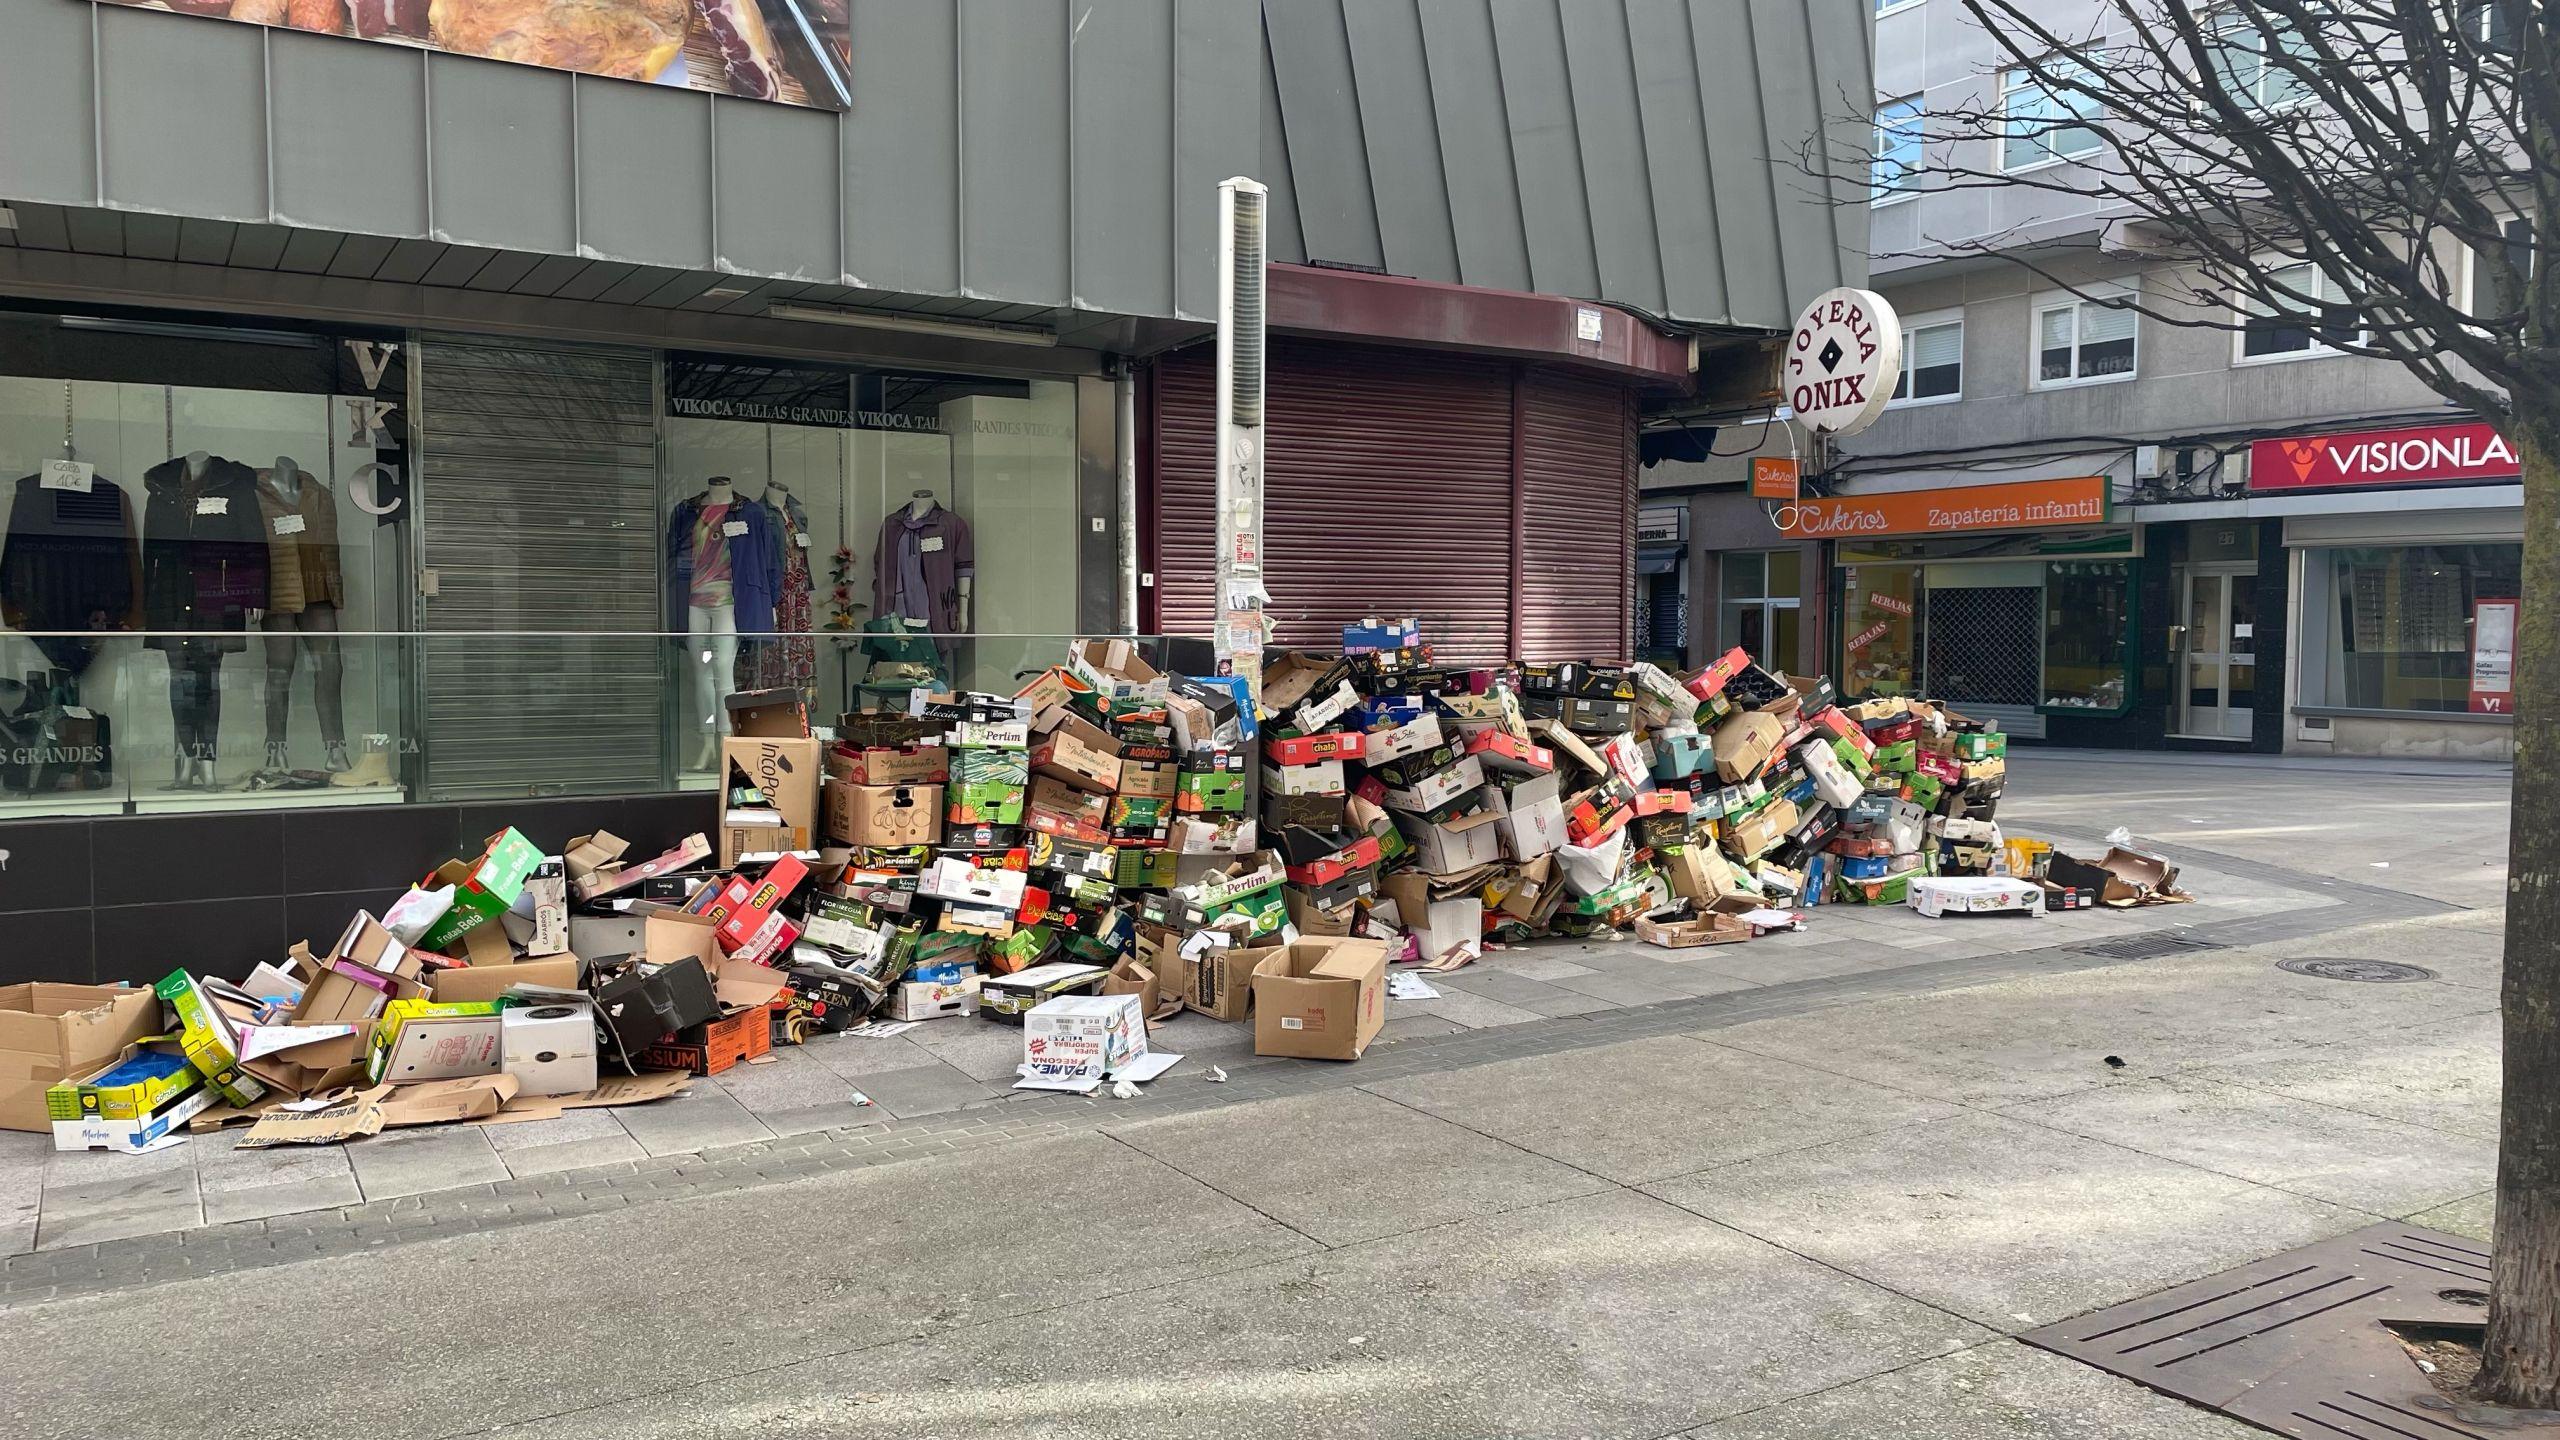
column 724, row 568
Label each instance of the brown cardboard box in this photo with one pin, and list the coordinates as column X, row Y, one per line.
column 1078, row 753
column 1745, row 742
column 1320, row 999
column 671, row 936
column 1222, row 982
column 922, row 763
column 1148, row 779
column 769, row 714
column 1764, row 828
column 786, row 771
column 1314, row 919
column 885, row 816
column 488, row 982
column 50, row 1032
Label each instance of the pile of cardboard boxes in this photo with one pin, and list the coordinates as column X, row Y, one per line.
column 1107, row 847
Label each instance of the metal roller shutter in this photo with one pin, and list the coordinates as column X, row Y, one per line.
column 1387, row 491
column 537, row 511
column 1578, row 478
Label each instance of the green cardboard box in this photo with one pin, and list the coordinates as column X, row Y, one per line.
column 1992, row 746
column 205, row 1034
column 1003, row 767
column 482, row 888
column 1902, row 757
column 987, row 802
column 130, row 1087
column 1144, row 869
column 1210, row 793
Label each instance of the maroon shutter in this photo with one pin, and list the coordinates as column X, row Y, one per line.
column 1578, row 480
column 1387, row 491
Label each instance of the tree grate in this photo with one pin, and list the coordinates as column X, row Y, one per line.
column 2149, row 947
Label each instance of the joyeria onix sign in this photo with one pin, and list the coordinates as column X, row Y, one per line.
column 2425, row 455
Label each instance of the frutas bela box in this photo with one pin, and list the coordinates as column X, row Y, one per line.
column 482, row 888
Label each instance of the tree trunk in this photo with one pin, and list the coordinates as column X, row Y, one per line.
column 2521, row 1356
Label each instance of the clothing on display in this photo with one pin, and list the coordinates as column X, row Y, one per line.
column 306, row 586
column 204, row 570
column 70, row 562
column 922, row 570
column 753, row 556
column 788, row 658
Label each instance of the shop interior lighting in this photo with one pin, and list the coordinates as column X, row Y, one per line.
column 169, row 330
column 914, row 324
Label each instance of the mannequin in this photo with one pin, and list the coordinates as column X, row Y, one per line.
column 204, row 579
column 306, row 585
column 724, row 568
column 788, row 658
column 923, row 570
column 69, row 564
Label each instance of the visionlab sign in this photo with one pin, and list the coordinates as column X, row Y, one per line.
column 2425, row 455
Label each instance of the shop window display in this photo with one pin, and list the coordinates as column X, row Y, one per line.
column 2403, row 623
column 2087, row 618
column 1880, row 630
column 856, row 535
column 177, row 567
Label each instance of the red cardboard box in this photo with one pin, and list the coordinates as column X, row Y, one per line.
column 1940, row 767
column 1360, row 854
column 1309, row 749
column 1507, row 754
column 749, row 911
column 1707, row 684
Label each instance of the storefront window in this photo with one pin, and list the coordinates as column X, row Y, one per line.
column 2086, row 611
column 1762, row 592
column 857, row 534
column 2406, row 627
column 1880, row 629
column 201, row 559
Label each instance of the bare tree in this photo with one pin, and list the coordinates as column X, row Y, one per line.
column 2384, row 174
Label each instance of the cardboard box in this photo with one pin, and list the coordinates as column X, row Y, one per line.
column 466, row 983
column 210, row 1018
column 1007, row 998
column 992, row 735
column 1461, row 844
column 49, row 1031
column 1936, row 895
column 1310, row 749
column 1320, row 857
column 785, row 772
column 1148, row 779
column 135, row 1135
column 1057, row 808
column 1710, row 929
column 1744, row 743
column 1531, row 818
column 482, row 888
column 1118, row 675
column 1078, row 754
column 422, row 1040
column 923, row 762
column 613, row 877
column 1439, row 788
column 1076, row 1042
column 1412, row 738
column 886, row 816
column 1320, row 999
column 928, row 1000
column 1315, row 812
column 779, row 714
column 985, row 802
column 1222, row 979
column 1313, row 918
column 1313, row 692
column 647, row 1003
column 1316, row 777
column 1750, row 835
column 1052, row 688
column 138, row 1081
column 1215, row 793
column 955, row 880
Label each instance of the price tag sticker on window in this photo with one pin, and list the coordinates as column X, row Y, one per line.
column 71, row 475
column 213, row 505
column 800, row 540
column 289, row 524
column 734, row 529
column 932, row 543
column 76, row 712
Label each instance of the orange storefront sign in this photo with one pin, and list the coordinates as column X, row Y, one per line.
column 2019, row 505
column 1775, row 479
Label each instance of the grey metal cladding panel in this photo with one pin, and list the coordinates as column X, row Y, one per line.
column 1844, row 89
column 1123, row 53
column 1729, row 81
column 504, row 163
column 644, row 173
column 781, row 189
column 1013, row 150
column 1555, row 209
column 902, row 148
column 1676, row 162
column 1328, row 162
column 1285, row 238
column 1602, row 70
column 185, row 125
column 1475, row 144
column 1403, row 138
column 1219, row 59
column 350, row 147
column 47, row 92
column 1808, row 255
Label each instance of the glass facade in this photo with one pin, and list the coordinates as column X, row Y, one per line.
column 1989, row 621
column 230, row 580
column 2417, row 628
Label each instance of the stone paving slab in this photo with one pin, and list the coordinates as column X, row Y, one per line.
column 2000, row 1391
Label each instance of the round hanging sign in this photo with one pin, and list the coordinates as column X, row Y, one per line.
column 1842, row 361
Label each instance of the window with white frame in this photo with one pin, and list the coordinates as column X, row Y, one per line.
column 1888, row 7
column 2484, row 290
column 2081, row 341
column 2317, row 328
column 1932, row 360
column 1897, row 153
column 2248, row 58
column 2043, row 125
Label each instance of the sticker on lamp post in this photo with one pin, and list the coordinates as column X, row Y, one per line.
column 1842, row 361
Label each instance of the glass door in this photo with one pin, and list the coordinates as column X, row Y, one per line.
column 2216, row 651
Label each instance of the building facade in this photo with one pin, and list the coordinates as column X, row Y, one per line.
column 416, row 443
column 2297, row 549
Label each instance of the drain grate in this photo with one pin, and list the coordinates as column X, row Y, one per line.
column 2338, row 967
column 2148, row 947
column 2297, row 1343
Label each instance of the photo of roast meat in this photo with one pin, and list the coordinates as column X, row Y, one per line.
column 625, row 39
column 399, row 19
column 746, row 50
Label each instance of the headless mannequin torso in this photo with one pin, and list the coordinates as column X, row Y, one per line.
column 711, row 618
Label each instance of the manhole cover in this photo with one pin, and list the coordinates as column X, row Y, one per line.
column 2147, row 947
column 2338, row 967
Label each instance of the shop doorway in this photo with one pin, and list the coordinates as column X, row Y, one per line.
column 2214, row 650
column 1762, row 600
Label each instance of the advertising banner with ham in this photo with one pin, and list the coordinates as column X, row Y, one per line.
column 2420, row 455
column 798, row 52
